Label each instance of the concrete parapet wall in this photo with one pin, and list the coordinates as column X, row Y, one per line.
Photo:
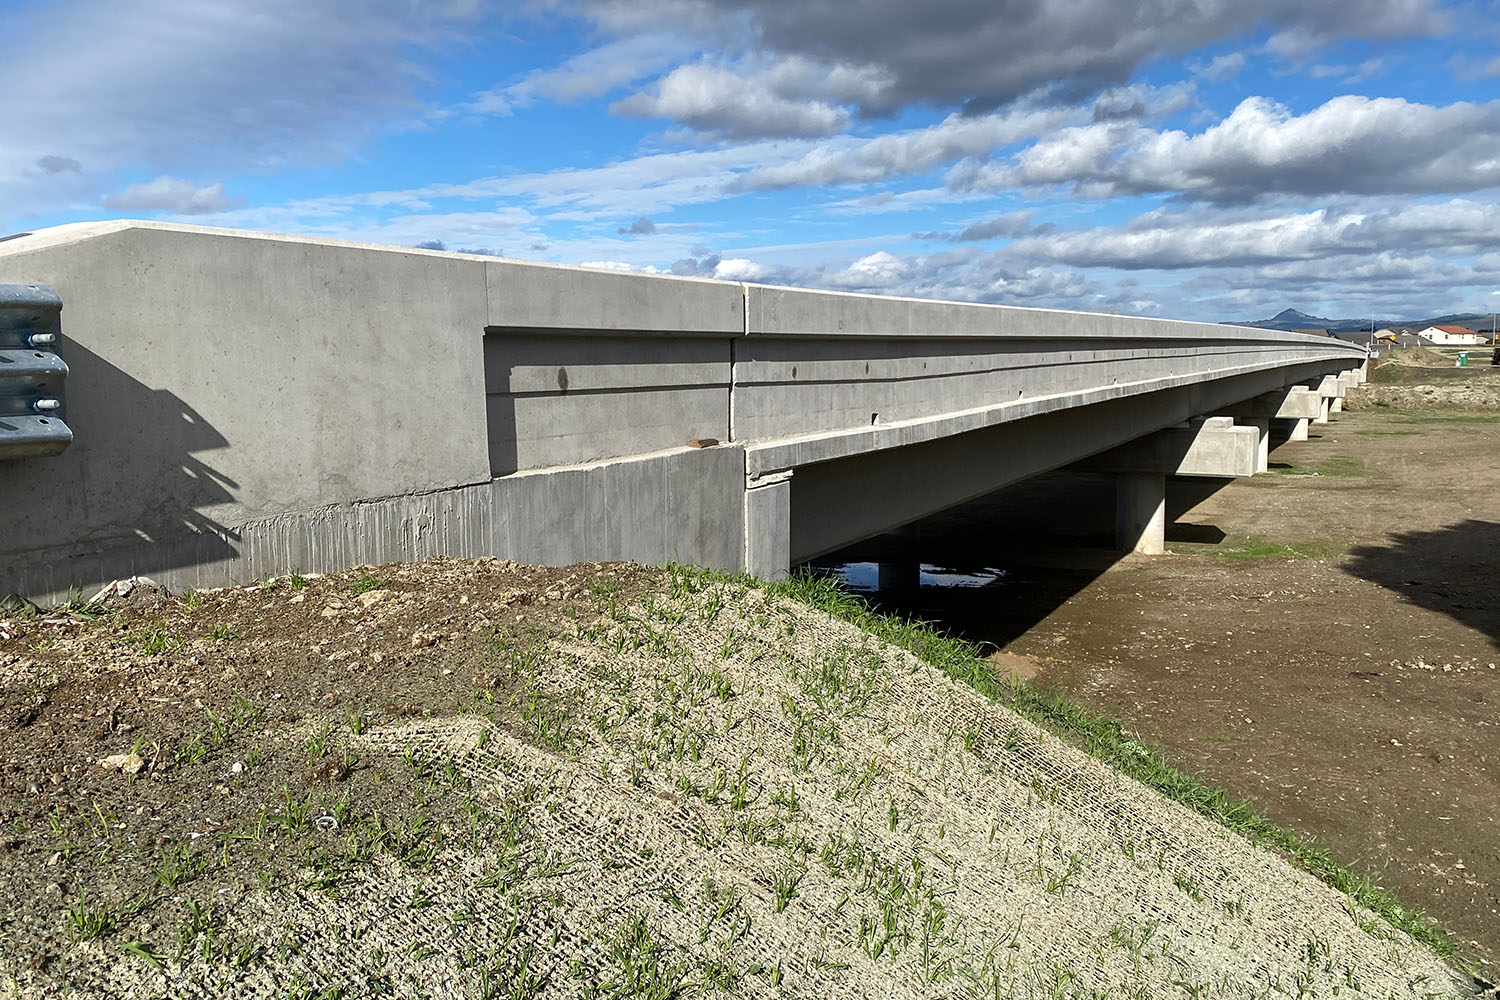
column 247, row 404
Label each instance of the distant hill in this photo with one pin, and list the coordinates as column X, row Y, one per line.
column 1293, row 319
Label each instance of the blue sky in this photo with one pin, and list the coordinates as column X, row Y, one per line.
column 1200, row 159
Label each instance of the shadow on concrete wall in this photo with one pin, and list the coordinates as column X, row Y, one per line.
column 129, row 497
column 1048, row 538
column 1453, row 570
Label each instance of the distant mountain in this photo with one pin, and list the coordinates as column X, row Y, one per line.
column 1293, row 319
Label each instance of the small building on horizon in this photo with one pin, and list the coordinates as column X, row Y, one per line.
column 1451, row 336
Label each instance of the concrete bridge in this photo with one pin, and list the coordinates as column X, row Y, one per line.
column 241, row 404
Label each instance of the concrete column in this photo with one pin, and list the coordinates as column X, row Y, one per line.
column 1299, row 429
column 903, row 574
column 768, row 527
column 1141, row 512
column 1336, row 404
column 1322, row 418
column 1262, row 426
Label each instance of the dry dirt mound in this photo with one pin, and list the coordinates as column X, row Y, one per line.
column 1402, row 386
column 1415, row 357
column 472, row 778
column 1476, row 395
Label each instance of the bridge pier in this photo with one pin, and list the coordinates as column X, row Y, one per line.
column 1298, row 405
column 1141, row 512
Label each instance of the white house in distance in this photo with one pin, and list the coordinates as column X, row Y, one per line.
column 1451, row 336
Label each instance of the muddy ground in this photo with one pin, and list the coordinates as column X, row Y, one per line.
column 1322, row 640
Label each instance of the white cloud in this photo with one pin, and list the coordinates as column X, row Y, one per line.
column 168, row 194
column 741, row 269
column 846, row 160
column 650, row 184
column 877, row 271
column 1355, row 145
column 718, row 101
column 1171, row 240
column 588, row 74
column 1222, row 68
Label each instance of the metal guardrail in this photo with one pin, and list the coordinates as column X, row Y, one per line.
column 32, row 374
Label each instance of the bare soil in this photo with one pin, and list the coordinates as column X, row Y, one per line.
column 1322, row 640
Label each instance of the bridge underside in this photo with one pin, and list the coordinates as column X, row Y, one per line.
column 243, row 405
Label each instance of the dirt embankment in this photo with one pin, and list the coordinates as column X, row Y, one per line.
column 473, row 778
column 1419, row 378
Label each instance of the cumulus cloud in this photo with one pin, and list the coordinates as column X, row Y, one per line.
column 1171, row 240
column 981, row 56
column 168, row 194
column 966, row 275
column 1353, row 145
column 640, row 227
column 704, row 264
column 715, row 100
column 914, row 151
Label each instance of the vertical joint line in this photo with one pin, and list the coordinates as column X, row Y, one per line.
column 734, row 353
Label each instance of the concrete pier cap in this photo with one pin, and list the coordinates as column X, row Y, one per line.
column 248, row 404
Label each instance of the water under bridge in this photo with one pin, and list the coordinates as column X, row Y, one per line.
column 210, row 406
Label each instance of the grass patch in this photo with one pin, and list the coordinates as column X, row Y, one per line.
column 1257, row 547
column 365, row 583
column 1106, row 740
column 156, row 638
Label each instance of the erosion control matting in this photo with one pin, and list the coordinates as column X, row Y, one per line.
column 474, row 778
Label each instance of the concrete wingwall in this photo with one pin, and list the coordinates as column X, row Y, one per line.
column 246, row 404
